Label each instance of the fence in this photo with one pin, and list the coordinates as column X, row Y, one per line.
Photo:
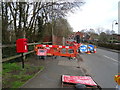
column 9, row 51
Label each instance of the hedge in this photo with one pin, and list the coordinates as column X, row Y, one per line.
column 111, row 46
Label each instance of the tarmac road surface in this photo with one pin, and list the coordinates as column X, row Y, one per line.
column 102, row 66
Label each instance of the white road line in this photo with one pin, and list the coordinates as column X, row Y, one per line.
column 110, row 58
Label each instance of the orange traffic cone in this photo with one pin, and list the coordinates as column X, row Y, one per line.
column 95, row 49
column 88, row 50
column 117, row 78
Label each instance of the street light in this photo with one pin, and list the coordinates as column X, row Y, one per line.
column 112, row 27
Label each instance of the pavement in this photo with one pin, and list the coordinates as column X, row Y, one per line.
column 50, row 77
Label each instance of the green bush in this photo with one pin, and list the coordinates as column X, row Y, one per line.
column 8, row 51
column 108, row 45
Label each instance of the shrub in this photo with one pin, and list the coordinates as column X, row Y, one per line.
column 108, row 45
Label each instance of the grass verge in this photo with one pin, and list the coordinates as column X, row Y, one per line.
column 13, row 76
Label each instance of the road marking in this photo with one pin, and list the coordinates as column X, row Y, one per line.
column 110, row 58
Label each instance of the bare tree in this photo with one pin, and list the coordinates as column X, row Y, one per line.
column 62, row 27
column 100, row 30
column 24, row 15
column 108, row 32
column 103, row 37
column 5, row 23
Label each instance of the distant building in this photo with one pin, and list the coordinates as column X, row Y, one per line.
column 79, row 33
column 83, row 36
column 116, row 36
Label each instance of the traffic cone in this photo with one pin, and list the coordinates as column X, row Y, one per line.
column 95, row 49
column 88, row 50
column 117, row 79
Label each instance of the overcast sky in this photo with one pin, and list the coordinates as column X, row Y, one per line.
column 94, row 14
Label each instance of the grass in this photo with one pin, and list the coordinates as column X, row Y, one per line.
column 14, row 76
column 16, row 84
column 8, row 67
column 22, row 77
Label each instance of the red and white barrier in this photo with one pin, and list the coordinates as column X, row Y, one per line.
column 57, row 50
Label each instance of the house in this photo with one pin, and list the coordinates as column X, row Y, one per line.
column 116, row 36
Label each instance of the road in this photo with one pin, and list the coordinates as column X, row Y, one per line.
column 102, row 66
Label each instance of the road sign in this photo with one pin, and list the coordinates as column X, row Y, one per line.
column 83, row 48
column 91, row 47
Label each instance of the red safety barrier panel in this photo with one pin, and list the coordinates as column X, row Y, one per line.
column 74, row 43
column 58, row 50
column 86, row 80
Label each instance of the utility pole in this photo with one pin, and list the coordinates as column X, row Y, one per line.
column 0, row 47
column 119, row 30
column 52, row 24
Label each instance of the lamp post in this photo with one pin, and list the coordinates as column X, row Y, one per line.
column 113, row 26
